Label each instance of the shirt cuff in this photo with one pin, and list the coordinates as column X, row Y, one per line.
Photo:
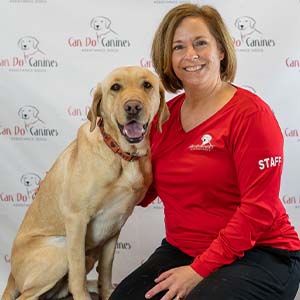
column 201, row 268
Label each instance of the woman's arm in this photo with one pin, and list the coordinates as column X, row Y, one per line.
column 257, row 152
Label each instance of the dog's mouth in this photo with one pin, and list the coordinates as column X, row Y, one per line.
column 133, row 131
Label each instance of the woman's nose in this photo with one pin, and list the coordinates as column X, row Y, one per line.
column 190, row 52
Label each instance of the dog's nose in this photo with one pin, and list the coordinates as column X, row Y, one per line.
column 133, row 107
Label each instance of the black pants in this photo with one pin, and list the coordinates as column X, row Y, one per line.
column 264, row 273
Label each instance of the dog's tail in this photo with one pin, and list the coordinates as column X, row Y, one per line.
column 10, row 292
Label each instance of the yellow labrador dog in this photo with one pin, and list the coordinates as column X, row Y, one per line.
column 86, row 197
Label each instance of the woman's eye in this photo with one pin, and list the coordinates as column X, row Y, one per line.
column 147, row 85
column 177, row 47
column 200, row 43
column 115, row 87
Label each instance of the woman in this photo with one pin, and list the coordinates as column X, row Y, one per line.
column 217, row 168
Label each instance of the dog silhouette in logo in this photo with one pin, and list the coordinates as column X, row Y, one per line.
column 29, row 46
column 31, row 181
column 30, row 115
column 101, row 25
column 247, row 27
column 206, row 138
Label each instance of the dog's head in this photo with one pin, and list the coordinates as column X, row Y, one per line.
column 128, row 99
column 245, row 23
column 28, row 43
column 100, row 24
column 206, row 138
column 30, row 180
column 28, row 113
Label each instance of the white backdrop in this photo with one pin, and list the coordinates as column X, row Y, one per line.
column 51, row 59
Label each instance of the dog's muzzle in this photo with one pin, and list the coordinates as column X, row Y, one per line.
column 133, row 131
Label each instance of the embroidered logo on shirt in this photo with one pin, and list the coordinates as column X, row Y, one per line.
column 205, row 146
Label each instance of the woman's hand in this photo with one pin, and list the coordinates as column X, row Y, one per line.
column 178, row 281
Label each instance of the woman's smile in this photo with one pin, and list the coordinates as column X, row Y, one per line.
column 193, row 68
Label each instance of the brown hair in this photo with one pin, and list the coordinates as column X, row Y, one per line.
column 161, row 51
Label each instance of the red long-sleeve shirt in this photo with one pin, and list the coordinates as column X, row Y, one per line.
column 220, row 182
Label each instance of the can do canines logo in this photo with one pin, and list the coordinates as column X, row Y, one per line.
column 292, row 63
column 30, row 126
column 80, row 112
column 33, row 57
column 25, row 195
column 250, row 37
column 292, row 134
column 291, row 200
column 104, row 37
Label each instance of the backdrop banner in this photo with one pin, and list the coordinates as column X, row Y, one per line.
column 52, row 55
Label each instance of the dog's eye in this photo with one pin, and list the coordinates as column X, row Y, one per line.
column 115, row 87
column 147, row 85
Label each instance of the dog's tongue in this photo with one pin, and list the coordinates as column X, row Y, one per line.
column 134, row 130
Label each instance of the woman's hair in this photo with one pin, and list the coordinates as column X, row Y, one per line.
column 161, row 51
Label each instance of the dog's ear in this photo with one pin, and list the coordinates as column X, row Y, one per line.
column 20, row 111
column 252, row 22
column 163, row 111
column 22, row 179
column 35, row 42
column 94, row 111
column 236, row 23
column 107, row 22
column 92, row 23
column 35, row 111
column 37, row 179
column 20, row 43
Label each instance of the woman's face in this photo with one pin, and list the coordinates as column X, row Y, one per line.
column 195, row 57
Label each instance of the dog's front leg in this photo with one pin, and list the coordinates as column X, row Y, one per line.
column 76, row 227
column 104, row 267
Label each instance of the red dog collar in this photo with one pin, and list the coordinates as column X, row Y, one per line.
column 113, row 145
